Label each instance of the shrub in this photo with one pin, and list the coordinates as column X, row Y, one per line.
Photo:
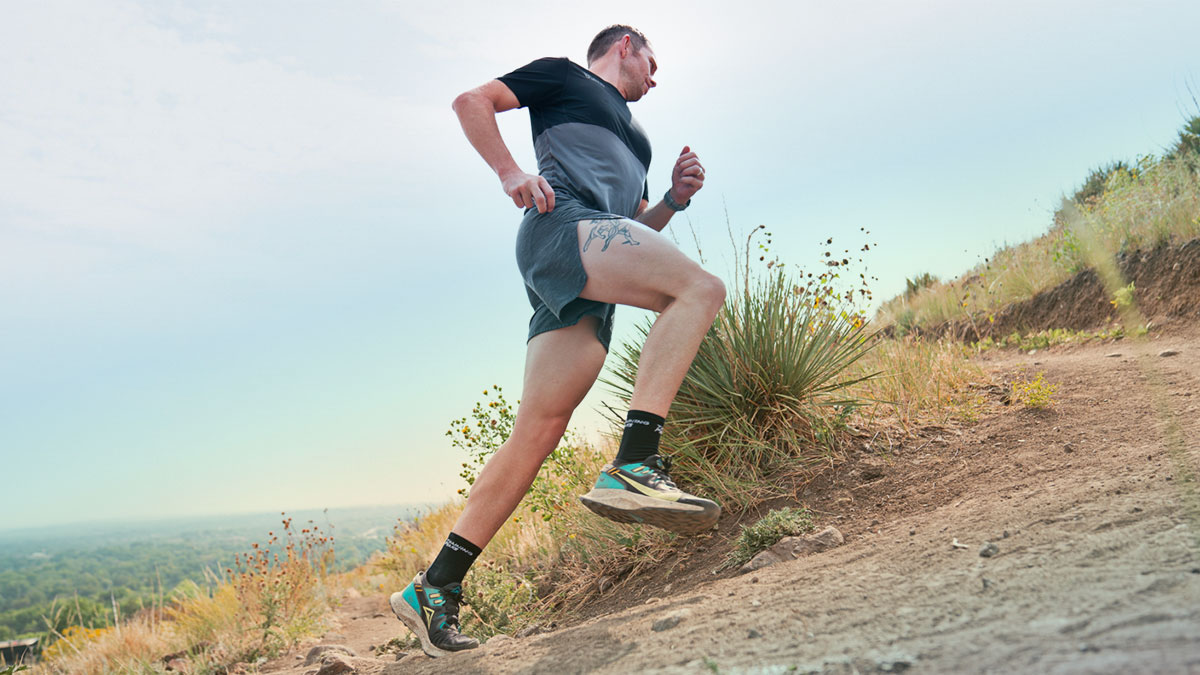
column 1096, row 181
column 767, row 390
column 914, row 285
column 493, row 425
column 767, row 532
column 1035, row 393
column 1187, row 148
column 1123, row 296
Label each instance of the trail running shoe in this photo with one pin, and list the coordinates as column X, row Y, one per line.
column 431, row 613
column 644, row 493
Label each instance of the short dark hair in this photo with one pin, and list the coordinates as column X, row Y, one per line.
column 607, row 37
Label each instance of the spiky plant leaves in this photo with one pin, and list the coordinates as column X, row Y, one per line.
column 761, row 394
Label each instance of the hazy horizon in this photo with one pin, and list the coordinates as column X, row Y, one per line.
column 107, row 526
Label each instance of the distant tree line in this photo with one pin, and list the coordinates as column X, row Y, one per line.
column 81, row 587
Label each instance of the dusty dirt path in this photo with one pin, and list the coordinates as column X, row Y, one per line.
column 1098, row 568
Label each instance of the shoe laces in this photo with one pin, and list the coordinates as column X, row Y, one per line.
column 454, row 599
column 661, row 466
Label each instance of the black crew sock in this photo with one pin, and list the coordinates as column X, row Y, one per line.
column 453, row 562
column 640, row 440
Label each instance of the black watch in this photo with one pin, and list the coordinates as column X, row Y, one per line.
column 674, row 205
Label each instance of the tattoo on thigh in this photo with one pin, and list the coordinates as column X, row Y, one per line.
column 609, row 230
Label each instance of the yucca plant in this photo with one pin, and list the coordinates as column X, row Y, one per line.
column 764, row 395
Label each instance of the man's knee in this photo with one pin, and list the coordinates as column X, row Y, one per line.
column 541, row 435
column 708, row 290
column 714, row 291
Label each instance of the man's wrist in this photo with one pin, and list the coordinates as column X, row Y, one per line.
column 673, row 204
column 509, row 171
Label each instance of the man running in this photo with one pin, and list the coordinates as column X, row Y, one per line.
column 589, row 240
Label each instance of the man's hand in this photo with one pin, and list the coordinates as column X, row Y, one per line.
column 687, row 177
column 528, row 190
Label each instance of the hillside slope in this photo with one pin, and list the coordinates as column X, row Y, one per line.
column 1098, row 568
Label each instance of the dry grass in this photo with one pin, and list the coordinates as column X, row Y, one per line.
column 272, row 597
column 919, row 382
column 1155, row 203
column 134, row 646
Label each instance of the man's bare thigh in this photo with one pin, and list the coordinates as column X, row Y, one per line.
column 629, row 263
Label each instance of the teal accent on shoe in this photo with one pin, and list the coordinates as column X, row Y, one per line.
column 410, row 596
column 607, row 482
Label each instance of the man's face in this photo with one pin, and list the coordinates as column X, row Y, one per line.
column 637, row 73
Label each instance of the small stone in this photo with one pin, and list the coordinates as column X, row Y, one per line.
column 1114, row 355
column 911, row 532
column 1168, row 352
column 756, row 603
column 754, row 580
column 666, row 623
column 1004, row 535
column 1088, row 648
column 986, row 582
column 530, row 631
column 335, row 664
column 753, row 634
column 870, row 467
column 316, row 653
column 300, row 657
column 897, row 666
column 1068, row 447
column 1196, row 570
column 988, row 549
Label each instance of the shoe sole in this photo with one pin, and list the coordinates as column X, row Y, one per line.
column 413, row 622
column 624, row 506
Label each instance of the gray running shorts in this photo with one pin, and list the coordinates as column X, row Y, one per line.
column 548, row 257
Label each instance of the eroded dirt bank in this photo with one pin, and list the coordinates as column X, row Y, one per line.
column 1166, row 284
column 1097, row 570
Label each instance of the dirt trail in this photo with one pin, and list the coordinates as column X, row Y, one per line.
column 1098, row 568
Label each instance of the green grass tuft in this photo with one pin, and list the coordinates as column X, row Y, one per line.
column 765, row 533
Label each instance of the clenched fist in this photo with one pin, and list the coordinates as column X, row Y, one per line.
column 687, row 177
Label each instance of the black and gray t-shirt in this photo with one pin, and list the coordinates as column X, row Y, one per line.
column 588, row 145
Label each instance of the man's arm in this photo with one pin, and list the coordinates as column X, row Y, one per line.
column 477, row 110
column 686, row 180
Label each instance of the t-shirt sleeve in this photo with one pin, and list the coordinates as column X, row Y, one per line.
column 537, row 82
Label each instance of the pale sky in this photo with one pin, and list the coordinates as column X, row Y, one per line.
column 249, row 263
